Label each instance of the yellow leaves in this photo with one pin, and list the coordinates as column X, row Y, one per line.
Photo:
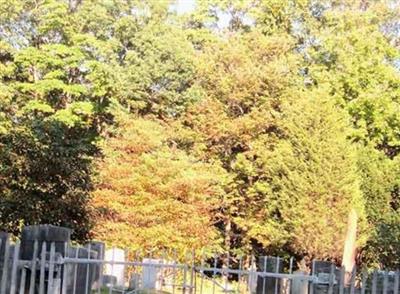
column 160, row 195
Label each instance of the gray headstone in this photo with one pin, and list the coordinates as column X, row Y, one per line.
column 43, row 233
column 134, row 282
column 99, row 248
column 150, row 274
column 299, row 285
column 320, row 266
column 322, row 270
column 109, row 280
column 268, row 285
column 85, row 273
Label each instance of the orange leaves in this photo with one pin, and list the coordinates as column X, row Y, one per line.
column 159, row 196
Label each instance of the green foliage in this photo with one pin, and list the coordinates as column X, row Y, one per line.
column 380, row 186
column 265, row 131
column 314, row 177
column 50, row 121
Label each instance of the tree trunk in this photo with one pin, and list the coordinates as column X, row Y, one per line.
column 350, row 246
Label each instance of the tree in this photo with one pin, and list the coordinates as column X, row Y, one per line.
column 241, row 80
column 362, row 77
column 307, row 179
column 53, row 108
column 380, row 185
column 151, row 196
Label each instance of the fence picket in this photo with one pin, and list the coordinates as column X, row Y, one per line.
column 331, row 279
column 75, row 271
column 101, row 271
column 201, row 272
column 65, row 270
column 214, row 272
column 192, row 273
column 5, row 266
column 342, row 276
column 290, row 272
column 374, row 282
column 311, row 284
column 50, row 277
column 396, row 282
column 42, row 268
column 174, row 254
column 33, row 268
column 385, row 283
column 353, row 280
column 112, row 269
column 265, row 270
column 184, row 274
column 364, row 282
column 14, row 269
column 251, row 274
column 277, row 271
column 240, row 271
column 87, row 270
column 23, row 281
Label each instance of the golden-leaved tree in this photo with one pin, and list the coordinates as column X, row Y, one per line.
column 151, row 195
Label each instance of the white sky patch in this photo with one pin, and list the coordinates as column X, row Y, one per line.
column 185, row 6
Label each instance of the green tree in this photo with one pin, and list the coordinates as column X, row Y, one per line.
column 53, row 107
column 304, row 181
column 380, row 186
column 241, row 80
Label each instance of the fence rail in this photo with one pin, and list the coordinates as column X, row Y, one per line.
column 60, row 268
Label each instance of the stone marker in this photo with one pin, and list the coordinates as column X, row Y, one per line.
column 108, row 281
column 41, row 233
column 269, row 285
column 134, row 282
column 322, row 270
column 116, row 270
column 85, row 273
column 99, row 248
column 299, row 285
column 151, row 274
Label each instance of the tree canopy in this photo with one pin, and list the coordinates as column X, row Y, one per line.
column 246, row 126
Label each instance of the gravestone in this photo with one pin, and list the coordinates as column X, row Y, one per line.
column 99, row 248
column 43, row 233
column 299, row 285
column 116, row 270
column 108, row 281
column 268, row 285
column 322, row 270
column 151, row 274
column 80, row 276
column 134, row 282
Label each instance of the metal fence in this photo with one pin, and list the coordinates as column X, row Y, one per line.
column 60, row 268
